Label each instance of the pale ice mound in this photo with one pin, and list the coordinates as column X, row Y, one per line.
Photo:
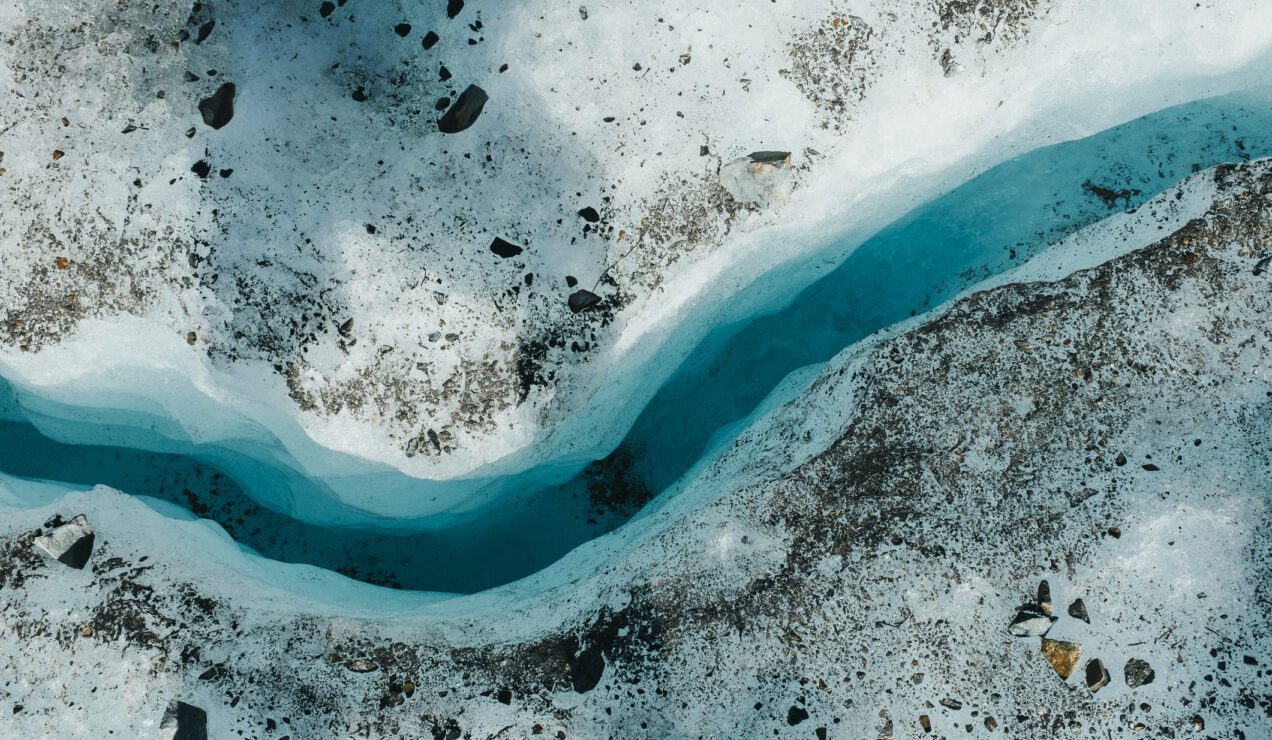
column 476, row 369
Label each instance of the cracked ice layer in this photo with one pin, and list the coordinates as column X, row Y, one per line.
column 913, row 133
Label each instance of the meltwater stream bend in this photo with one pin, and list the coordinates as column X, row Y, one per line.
column 982, row 228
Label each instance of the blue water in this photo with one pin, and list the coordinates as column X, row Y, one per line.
column 982, row 228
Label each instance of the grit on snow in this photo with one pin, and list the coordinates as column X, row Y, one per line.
column 1042, row 510
column 466, row 240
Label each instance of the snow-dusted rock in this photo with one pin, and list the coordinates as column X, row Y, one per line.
column 759, row 179
column 70, row 543
column 182, row 721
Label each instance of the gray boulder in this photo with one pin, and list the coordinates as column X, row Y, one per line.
column 70, row 544
column 761, row 178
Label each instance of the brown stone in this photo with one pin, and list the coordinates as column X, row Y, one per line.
column 1063, row 656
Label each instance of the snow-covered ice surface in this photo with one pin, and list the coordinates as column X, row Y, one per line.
column 298, row 325
column 847, row 567
column 216, row 302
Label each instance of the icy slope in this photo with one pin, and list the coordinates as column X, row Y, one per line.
column 848, row 568
column 205, row 274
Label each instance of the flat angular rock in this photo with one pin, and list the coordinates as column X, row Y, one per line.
column 761, row 179
column 70, row 544
column 504, row 248
column 218, row 109
column 183, row 721
column 464, row 112
column 1063, row 656
column 582, row 300
column 1030, row 623
column 1138, row 673
column 1078, row 610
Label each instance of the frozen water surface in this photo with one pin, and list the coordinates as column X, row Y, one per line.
column 991, row 224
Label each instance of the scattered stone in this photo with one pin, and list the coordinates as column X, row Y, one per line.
column 218, row 109
column 1121, row 459
column 183, row 721
column 361, row 665
column 925, row 722
column 1138, row 673
column 408, row 688
column 1115, row 532
column 1078, row 610
column 1097, row 676
column 402, row 29
column 58, row 154
column 1030, row 623
column 759, row 179
column 583, row 12
column 202, row 169
column 360, row 95
column 70, row 544
column 1044, row 597
column 464, row 112
column 504, row 696
column 949, row 703
column 590, row 215
column 1063, row 656
column 1261, row 266
column 1151, row 467
column 991, row 724
column 1024, row 345
column 346, row 328
column 326, row 9
column 1249, row 660
column 505, row 249
column 443, row 73
column 586, row 670
column 204, row 32
column 430, row 40
column 795, row 715
column 453, row 7
column 61, row 262
column 581, row 300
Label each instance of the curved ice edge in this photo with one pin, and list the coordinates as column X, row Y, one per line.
column 173, row 401
column 209, row 555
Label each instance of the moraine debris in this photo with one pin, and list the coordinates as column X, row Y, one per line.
column 70, row 543
column 1044, row 597
column 361, row 665
column 1261, row 266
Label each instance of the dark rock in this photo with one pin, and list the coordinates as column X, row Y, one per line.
column 346, row 328
column 949, row 703
column 586, row 670
column 453, row 7
column 504, row 696
column 443, row 73
column 926, row 723
column 183, row 721
column 1097, row 676
column 571, row 281
column 204, row 32
column 590, row 215
column 464, row 112
column 202, row 169
column 430, row 40
column 402, row 29
column 218, row 109
column 360, row 95
column 1044, row 597
column 442, row 104
column 1078, row 610
column 1151, row 467
column 1261, row 266
column 361, row 665
column 582, row 300
column 795, row 715
column 70, row 543
column 504, row 248
column 1120, row 460
column 1138, row 673
column 1115, row 532
column 190, row 77
column 770, row 157
column 326, row 9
